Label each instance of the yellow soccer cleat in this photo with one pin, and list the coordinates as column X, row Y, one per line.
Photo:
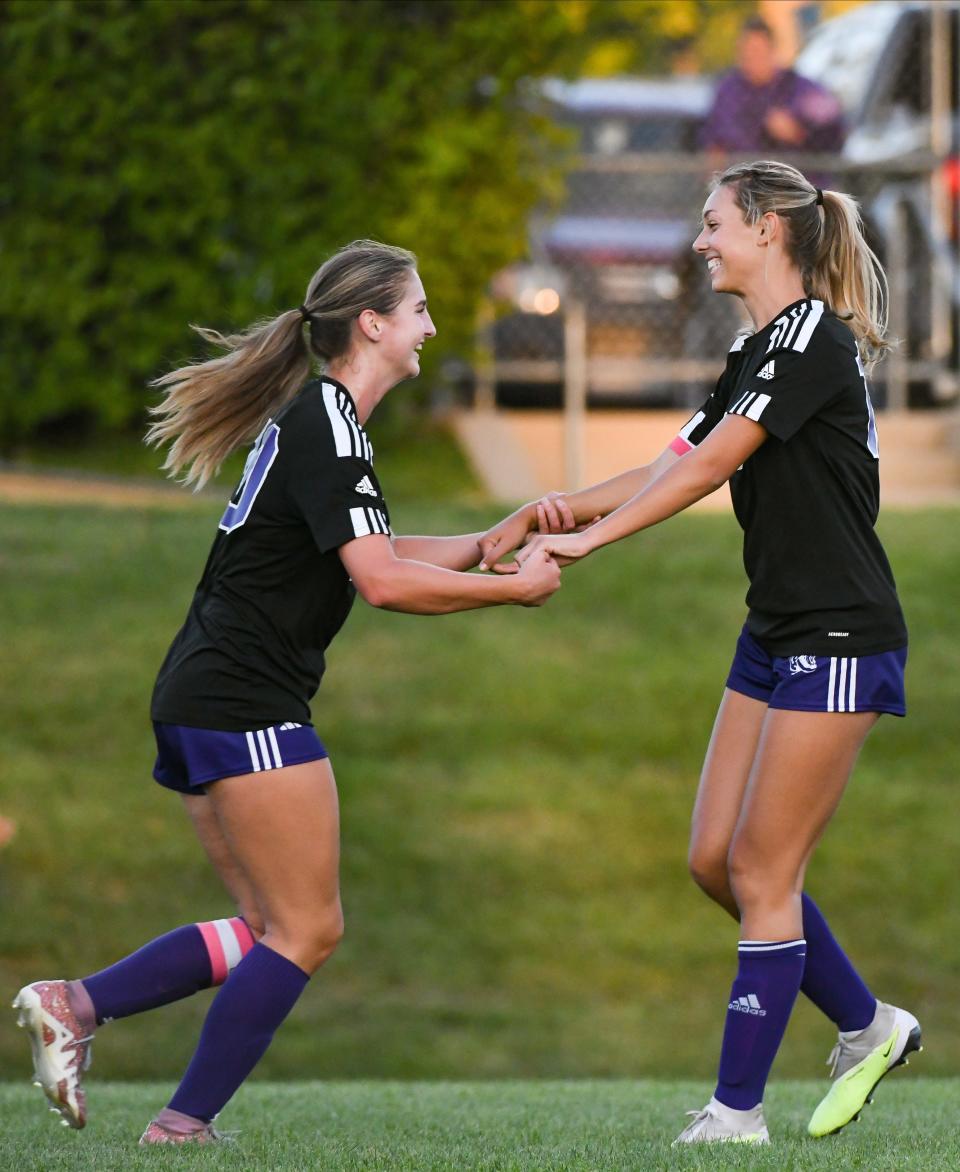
column 859, row 1061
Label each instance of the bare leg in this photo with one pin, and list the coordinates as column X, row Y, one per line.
column 282, row 833
column 803, row 763
column 203, row 815
column 723, row 783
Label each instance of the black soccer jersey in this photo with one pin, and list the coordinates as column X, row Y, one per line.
column 274, row 591
column 808, row 498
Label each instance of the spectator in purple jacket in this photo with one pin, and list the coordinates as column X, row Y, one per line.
column 760, row 107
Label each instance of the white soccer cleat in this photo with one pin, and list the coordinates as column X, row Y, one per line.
column 717, row 1123
column 61, row 1048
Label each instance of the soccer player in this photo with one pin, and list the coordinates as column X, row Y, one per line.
column 306, row 528
column 790, row 425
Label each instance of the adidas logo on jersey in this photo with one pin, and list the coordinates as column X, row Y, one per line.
column 767, row 371
column 365, row 487
column 748, row 1004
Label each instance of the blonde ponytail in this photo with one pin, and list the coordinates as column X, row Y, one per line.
column 211, row 408
column 825, row 241
column 848, row 277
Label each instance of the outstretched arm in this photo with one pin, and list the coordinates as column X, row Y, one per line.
column 416, row 587
column 563, row 512
column 453, row 553
column 687, row 480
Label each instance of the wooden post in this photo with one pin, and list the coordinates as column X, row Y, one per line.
column 574, row 391
column 897, row 277
column 485, row 396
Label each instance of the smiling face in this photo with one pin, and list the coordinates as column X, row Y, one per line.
column 403, row 332
column 730, row 246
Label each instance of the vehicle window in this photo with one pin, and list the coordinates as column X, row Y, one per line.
column 842, row 55
column 614, row 136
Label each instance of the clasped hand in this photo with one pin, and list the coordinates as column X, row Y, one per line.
column 546, row 526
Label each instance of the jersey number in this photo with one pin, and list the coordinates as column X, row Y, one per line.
column 261, row 458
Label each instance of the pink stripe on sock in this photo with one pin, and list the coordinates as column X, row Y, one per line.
column 243, row 934
column 218, row 961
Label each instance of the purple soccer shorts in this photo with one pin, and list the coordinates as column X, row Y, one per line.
column 820, row 683
column 188, row 759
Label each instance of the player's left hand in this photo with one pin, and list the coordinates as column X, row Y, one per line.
column 505, row 537
column 565, row 548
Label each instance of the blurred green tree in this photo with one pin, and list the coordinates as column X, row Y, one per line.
column 166, row 161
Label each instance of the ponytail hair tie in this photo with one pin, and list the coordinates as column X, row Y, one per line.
column 304, row 313
column 819, row 197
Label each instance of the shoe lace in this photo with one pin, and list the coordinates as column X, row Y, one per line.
column 80, row 1047
column 700, row 1116
column 222, row 1137
column 840, row 1051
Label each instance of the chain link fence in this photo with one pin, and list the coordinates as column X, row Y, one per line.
column 614, row 308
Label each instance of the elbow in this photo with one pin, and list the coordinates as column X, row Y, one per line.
column 712, row 476
column 378, row 590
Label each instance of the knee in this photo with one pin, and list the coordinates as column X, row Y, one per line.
column 253, row 918
column 708, row 869
column 756, row 879
column 311, row 939
column 327, row 936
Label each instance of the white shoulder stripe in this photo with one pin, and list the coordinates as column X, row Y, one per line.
column 341, row 432
column 813, row 319
column 361, row 445
column 778, row 331
column 794, row 332
column 366, row 521
column 691, row 424
column 361, row 526
column 796, row 317
column 756, row 408
column 751, row 405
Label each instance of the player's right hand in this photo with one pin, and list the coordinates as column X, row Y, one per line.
column 554, row 515
column 537, row 579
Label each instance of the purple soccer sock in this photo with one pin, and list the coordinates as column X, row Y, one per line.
column 762, row 997
column 239, row 1027
column 829, row 979
column 167, row 969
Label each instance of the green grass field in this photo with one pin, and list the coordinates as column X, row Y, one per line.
column 516, row 787
column 486, row 1127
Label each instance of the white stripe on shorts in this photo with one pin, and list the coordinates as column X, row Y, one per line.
column 228, row 942
column 264, row 754
column 254, row 758
column 842, row 688
column 274, row 748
